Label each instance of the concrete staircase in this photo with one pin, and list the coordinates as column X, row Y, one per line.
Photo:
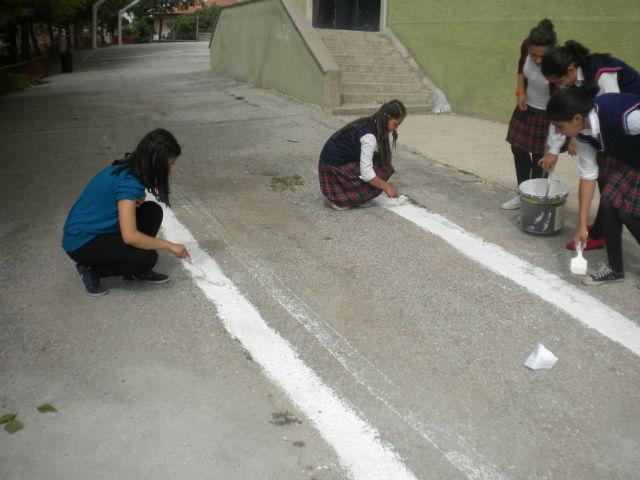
column 374, row 71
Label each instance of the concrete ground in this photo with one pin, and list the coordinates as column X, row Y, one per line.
column 421, row 342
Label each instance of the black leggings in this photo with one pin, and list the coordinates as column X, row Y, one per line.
column 612, row 221
column 526, row 165
column 109, row 256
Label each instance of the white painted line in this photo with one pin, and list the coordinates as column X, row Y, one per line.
column 354, row 440
column 549, row 287
column 472, row 465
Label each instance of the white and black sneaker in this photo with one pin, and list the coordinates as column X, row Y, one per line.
column 604, row 275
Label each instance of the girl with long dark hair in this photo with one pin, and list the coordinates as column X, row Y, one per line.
column 573, row 65
column 351, row 172
column 610, row 124
column 111, row 230
column 529, row 128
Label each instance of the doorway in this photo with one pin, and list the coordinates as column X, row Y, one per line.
column 362, row 15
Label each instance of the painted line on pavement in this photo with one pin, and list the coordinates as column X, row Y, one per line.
column 362, row 454
column 549, row 287
column 382, row 388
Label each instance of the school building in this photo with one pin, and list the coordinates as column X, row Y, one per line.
column 322, row 51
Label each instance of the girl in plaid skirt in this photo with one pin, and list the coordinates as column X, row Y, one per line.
column 350, row 171
column 609, row 124
column 529, row 127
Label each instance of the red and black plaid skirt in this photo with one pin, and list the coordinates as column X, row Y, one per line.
column 343, row 186
column 528, row 130
column 623, row 186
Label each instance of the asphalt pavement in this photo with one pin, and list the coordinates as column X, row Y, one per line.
column 304, row 342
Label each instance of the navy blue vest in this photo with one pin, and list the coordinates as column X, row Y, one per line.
column 614, row 139
column 345, row 149
column 628, row 78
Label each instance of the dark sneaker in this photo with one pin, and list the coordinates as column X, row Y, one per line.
column 91, row 281
column 604, row 275
column 149, row 276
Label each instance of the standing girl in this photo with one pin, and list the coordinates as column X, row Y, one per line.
column 528, row 128
column 111, row 230
column 611, row 125
column 351, row 172
column 572, row 66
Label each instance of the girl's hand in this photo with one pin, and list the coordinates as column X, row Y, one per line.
column 522, row 101
column 548, row 162
column 572, row 149
column 582, row 234
column 178, row 250
column 391, row 192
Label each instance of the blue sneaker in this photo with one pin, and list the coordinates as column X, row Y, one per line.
column 91, row 281
column 150, row 276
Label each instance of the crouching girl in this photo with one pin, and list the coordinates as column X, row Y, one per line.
column 111, row 230
column 351, row 171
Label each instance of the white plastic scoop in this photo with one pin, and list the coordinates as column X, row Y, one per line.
column 579, row 263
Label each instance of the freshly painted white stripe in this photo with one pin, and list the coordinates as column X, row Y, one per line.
column 354, row 440
column 549, row 287
column 472, row 465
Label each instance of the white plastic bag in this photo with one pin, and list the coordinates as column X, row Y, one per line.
column 540, row 358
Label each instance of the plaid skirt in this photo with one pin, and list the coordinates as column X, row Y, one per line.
column 343, row 186
column 528, row 130
column 623, row 186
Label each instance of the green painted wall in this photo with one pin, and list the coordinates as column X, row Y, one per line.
column 303, row 5
column 470, row 48
column 257, row 43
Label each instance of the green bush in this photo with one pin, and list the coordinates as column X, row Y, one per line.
column 12, row 83
column 185, row 25
column 140, row 29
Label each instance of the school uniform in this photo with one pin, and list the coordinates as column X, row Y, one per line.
column 614, row 130
column 347, row 164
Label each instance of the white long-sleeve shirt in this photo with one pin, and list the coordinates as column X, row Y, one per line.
column 587, row 164
column 368, row 144
column 608, row 83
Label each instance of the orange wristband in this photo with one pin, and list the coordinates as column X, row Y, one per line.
column 520, row 91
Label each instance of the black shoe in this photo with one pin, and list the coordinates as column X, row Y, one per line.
column 91, row 281
column 149, row 276
column 604, row 275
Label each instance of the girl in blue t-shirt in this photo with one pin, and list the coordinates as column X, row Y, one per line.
column 351, row 172
column 111, row 230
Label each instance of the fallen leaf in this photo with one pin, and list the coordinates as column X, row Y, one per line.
column 43, row 348
column 7, row 417
column 13, row 426
column 46, row 408
column 223, row 330
column 92, row 350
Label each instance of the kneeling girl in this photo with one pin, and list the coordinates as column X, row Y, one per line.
column 351, row 172
column 111, row 230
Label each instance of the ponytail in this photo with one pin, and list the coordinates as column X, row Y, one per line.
column 543, row 35
column 394, row 109
column 556, row 61
column 566, row 103
column 149, row 163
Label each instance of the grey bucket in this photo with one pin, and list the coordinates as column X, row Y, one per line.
column 539, row 213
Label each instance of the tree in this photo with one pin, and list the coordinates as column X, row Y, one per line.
column 185, row 26
column 162, row 7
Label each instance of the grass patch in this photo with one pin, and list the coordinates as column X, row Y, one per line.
column 279, row 184
column 13, row 83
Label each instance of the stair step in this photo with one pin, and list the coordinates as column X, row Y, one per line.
column 349, row 68
column 377, row 77
column 407, row 98
column 364, row 41
column 382, row 50
column 326, row 32
column 390, row 88
column 362, row 110
column 370, row 59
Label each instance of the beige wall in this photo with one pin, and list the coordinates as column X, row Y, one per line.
column 258, row 43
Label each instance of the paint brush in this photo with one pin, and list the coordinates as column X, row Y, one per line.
column 548, row 183
column 579, row 263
